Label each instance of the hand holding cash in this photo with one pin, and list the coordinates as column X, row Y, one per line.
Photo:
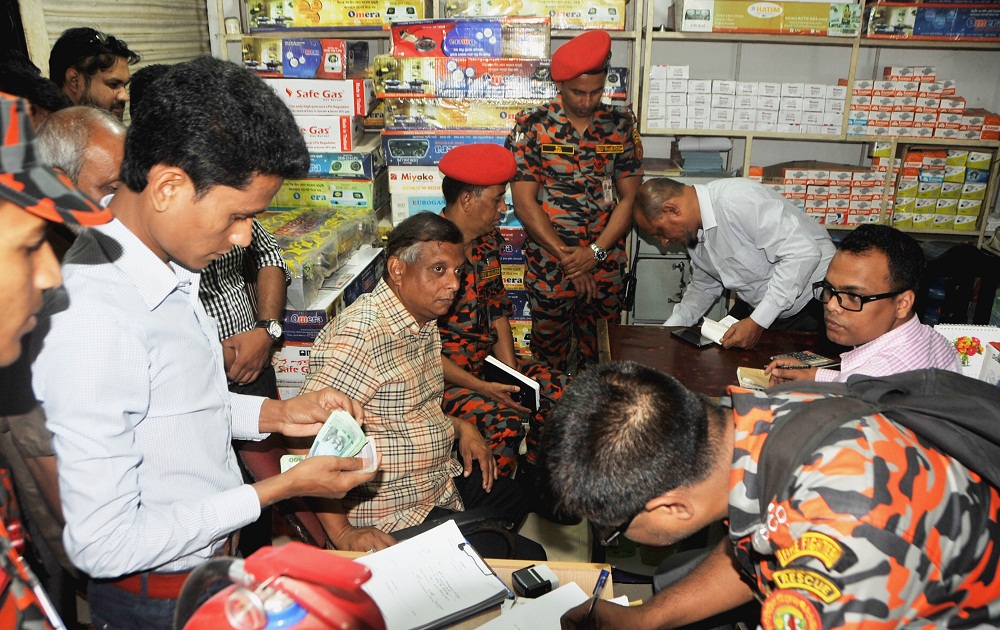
column 341, row 437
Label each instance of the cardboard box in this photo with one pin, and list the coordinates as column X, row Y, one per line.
column 521, row 37
column 364, row 161
column 779, row 17
column 305, row 58
column 332, row 193
column 351, row 13
column 608, row 15
column 928, row 20
column 453, row 113
column 326, row 97
column 331, row 133
column 426, row 148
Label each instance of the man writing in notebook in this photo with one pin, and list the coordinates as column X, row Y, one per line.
column 868, row 295
column 744, row 237
column 477, row 325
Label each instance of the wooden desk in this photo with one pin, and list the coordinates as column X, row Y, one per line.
column 711, row 369
column 583, row 573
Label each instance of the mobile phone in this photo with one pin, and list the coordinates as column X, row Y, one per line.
column 692, row 335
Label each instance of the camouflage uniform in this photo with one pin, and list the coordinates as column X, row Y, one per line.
column 881, row 529
column 468, row 336
column 571, row 172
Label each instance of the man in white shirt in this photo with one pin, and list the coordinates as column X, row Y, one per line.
column 868, row 295
column 744, row 237
column 131, row 373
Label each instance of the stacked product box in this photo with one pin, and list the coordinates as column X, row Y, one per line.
column 830, row 19
column 914, row 102
column 941, row 189
column 830, row 194
column 282, row 15
column 677, row 101
column 608, row 15
column 357, row 276
column 949, row 21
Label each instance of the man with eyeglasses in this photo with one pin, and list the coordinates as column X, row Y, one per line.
column 92, row 68
column 744, row 237
column 879, row 528
column 868, row 296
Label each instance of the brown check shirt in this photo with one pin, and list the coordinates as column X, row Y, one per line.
column 376, row 353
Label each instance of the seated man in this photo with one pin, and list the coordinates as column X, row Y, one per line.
column 476, row 177
column 384, row 351
column 130, row 374
column 868, row 297
column 880, row 529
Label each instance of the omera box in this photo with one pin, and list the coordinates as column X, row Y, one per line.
column 332, row 193
column 331, row 133
column 363, row 13
column 565, row 14
column 325, row 97
column 524, row 37
column 426, row 148
column 831, row 19
column 305, row 58
column 364, row 161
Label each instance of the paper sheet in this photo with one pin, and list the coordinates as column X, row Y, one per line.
column 715, row 329
column 542, row 612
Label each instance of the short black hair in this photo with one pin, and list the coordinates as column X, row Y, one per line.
column 652, row 194
column 452, row 189
column 20, row 77
column 218, row 122
column 906, row 258
column 141, row 80
column 621, row 434
column 407, row 238
column 89, row 51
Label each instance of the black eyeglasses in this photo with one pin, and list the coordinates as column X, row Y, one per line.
column 618, row 531
column 848, row 301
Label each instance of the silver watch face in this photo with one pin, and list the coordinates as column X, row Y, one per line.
column 274, row 329
column 600, row 254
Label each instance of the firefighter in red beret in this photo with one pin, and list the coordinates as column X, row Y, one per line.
column 579, row 166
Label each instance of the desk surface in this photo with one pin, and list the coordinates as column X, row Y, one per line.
column 583, row 573
column 711, row 369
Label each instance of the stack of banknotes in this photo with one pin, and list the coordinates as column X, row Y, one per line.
column 340, row 436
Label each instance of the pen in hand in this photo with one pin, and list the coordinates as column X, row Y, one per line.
column 790, row 367
column 602, row 579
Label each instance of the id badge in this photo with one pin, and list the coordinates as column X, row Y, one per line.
column 608, row 190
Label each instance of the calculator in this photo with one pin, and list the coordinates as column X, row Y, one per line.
column 809, row 358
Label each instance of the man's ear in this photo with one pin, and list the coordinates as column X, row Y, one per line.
column 74, row 84
column 396, row 268
column 904, row 303
column 674, row 504
column 165, row 183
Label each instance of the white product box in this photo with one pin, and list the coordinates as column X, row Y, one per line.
column 676, row 111
column 745, row 116
column 723, row 101
column 658, row 71
column 658, row 123
column 721, row 114
column 657, row 86
column 765, row 88
column 326, row 97
column 698, row 112
column 744, row 101
column 832, row 119
column 766, row 116
column 699, row 86
column 786, row 128
column 763, row 126
column 813, row 104
column 721, row 125
column 701, row 123
column 657, row 99
column 833, row 107
column 678, row 72
column 739, row 125
column 772, row 103
column 746, row 88
column 658, row 111
column 793, row 89
column 814, row 90
column 705, row 100
column 333, row 134
column 677, row 123
column 676, row 98
column 720, row 86
column 791, row 103
column 677, row 85
column 811, row 118
column 789, row 117
column 836, row 92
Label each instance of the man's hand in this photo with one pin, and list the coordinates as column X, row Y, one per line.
column 502, row 393
column 606, row 616
column 743, row 334
column 779, row 375
column 323, row 476
column 304, row 415
column 585, row 286
column 362, row 539
column 577, row 261
column 248, row 353
column 472, row 447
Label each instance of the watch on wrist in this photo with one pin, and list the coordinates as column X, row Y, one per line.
column 600, row 254
column 273, row 328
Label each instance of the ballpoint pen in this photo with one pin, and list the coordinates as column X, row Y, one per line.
column 792, row 367
column 602, row 579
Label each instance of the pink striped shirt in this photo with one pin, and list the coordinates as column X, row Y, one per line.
column 912, row 346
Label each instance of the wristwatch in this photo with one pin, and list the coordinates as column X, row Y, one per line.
column 600, row 254
column 273, row 328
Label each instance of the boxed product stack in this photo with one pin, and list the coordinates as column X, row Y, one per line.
column 811, row 17
column 677, row 101
column 282, row 15
column 914, row 102
column 975, row 20
column 941, row 189
column 831, row 194
column 608, row 15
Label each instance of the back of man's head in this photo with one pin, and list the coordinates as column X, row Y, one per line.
column 63, row 139
column 906, row 258
column 89, row 51
column 622, row 434
column 219, row 123
column 141, row 80
column 425, row 227
column 653, row 193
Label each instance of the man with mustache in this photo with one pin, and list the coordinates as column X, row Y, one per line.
column 92, row 68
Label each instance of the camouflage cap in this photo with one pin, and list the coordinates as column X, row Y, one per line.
column 35, row 187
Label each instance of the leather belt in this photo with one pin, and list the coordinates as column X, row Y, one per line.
column 165, row 585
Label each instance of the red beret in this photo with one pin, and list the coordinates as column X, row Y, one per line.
column 584, row 54
column 479, row 164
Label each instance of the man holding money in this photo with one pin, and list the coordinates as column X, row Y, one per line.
column 385, row 352
column 131, row 373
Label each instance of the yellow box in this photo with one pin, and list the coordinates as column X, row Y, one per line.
column 969, row 207
column 322, row 13
column 923, row 221
column 832, row 19
column 881, row 149
column 951, row 190
column 946, row 206
column 902, row 219
column 979, row 159
column 513, row 276
column 904, row 204
column 965, row 223
column 956, row 157
column 943, row 222
column 974, row 190
column 453, row 113
column 928, row 190
column 567, row 14
column 954, row 174
column 907, row 188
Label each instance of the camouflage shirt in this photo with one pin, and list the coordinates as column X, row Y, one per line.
column 881, row 530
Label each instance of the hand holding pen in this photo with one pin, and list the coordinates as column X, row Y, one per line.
column 785, row 369
column 602, row 579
